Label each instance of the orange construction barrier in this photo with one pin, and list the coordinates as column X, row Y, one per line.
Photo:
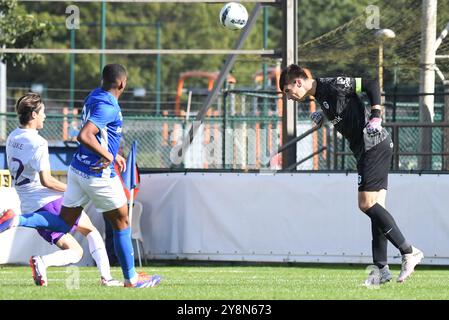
column 211, row 76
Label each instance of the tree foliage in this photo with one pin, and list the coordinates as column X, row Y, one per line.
column 19, row 30
column 194, row 26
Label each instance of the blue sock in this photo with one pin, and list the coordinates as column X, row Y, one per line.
column 125, row 252
column 43, row 220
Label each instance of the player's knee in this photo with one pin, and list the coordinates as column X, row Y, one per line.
column 123, row 224
column 120, row 223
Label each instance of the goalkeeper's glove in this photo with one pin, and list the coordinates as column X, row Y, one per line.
column 374, row 125
column 318, row 118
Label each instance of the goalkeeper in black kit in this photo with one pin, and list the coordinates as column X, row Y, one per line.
column 372, row 148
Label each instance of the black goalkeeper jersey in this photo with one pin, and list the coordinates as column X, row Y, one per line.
column 344, row 108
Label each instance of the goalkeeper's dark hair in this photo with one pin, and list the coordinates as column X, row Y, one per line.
column 112, row 75
column 26, row 105
column 291, row 73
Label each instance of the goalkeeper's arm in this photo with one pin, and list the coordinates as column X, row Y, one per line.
column 372, row 89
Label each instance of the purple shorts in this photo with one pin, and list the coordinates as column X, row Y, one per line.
column 54, row 207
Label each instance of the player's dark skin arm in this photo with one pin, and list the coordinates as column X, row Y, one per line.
column 87, row 137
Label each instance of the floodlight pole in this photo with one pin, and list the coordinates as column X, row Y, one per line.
column 427, row 78
column 382, row 35
column 264, row 65
column 445, row 165
column 381, row 71
column 438, row 42
column 290, row 55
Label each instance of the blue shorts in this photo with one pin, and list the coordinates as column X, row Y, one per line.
column 54, row 207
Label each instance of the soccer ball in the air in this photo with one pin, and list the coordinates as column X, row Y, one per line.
column 233, row 16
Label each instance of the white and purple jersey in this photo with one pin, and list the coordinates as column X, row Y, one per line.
column 27, row 155
column 102, row 109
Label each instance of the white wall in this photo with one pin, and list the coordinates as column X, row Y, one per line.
column 282, row 217
column 286, row 217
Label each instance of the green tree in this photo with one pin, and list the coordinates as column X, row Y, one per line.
column 348, row 50
column 19, row 30
column 133, row 26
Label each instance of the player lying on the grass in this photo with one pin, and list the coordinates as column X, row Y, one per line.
column 372, row 148
column 29, row 164
column 91, row 176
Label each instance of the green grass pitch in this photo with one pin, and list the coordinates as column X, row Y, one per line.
column 228, row 282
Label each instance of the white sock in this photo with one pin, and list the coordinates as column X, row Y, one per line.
column 98, row 252
column 61, row 258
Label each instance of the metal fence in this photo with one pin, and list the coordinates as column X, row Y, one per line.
column 244, row 128
column 406, row 152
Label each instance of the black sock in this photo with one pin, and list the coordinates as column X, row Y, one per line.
column 379, row 246
column 385, row 222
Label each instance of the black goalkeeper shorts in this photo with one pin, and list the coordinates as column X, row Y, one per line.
column 374, row 165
